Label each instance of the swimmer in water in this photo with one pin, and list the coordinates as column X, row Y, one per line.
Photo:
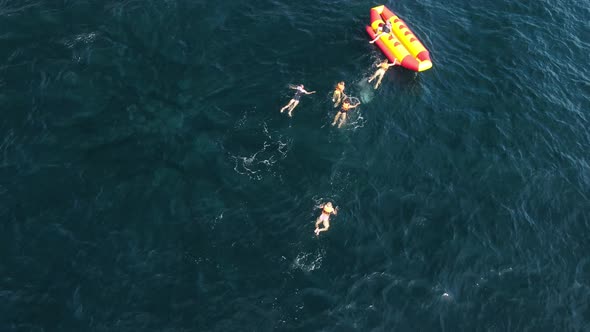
column 324, row 218
column 382, row 30
column 383, row 66
column 342, row 113
column 338, row 93
column 295, row 100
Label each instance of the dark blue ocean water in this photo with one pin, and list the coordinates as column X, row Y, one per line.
column 148, row 181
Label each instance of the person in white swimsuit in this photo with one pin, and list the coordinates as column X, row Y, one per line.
column 324, row 218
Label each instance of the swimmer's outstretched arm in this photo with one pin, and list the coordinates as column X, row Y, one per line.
column 308, row 93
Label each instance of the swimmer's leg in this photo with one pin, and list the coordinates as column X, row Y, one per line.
column 325, row 228
column 318, row 221
column 374, row 75
column 287, row 106
column 379, row 80
column 317, row 225
column 326, row 224
column 377, row 37
column 336, row 118
column 295, row 103
column 342, row 120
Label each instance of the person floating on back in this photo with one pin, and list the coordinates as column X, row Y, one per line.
column 295, row 100
column 383, row 66
column 382, row 30
column 338, row 94
column 324, row 218
column 346, row 106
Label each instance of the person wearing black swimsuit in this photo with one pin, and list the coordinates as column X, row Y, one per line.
column 382, row 30
column 342, row 113
column 295, row 100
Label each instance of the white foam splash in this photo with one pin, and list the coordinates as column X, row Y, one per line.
column 262, row 161
column 83, row 38
column 308, row 261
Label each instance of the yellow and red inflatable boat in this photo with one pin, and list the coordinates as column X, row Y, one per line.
column 401, row 43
